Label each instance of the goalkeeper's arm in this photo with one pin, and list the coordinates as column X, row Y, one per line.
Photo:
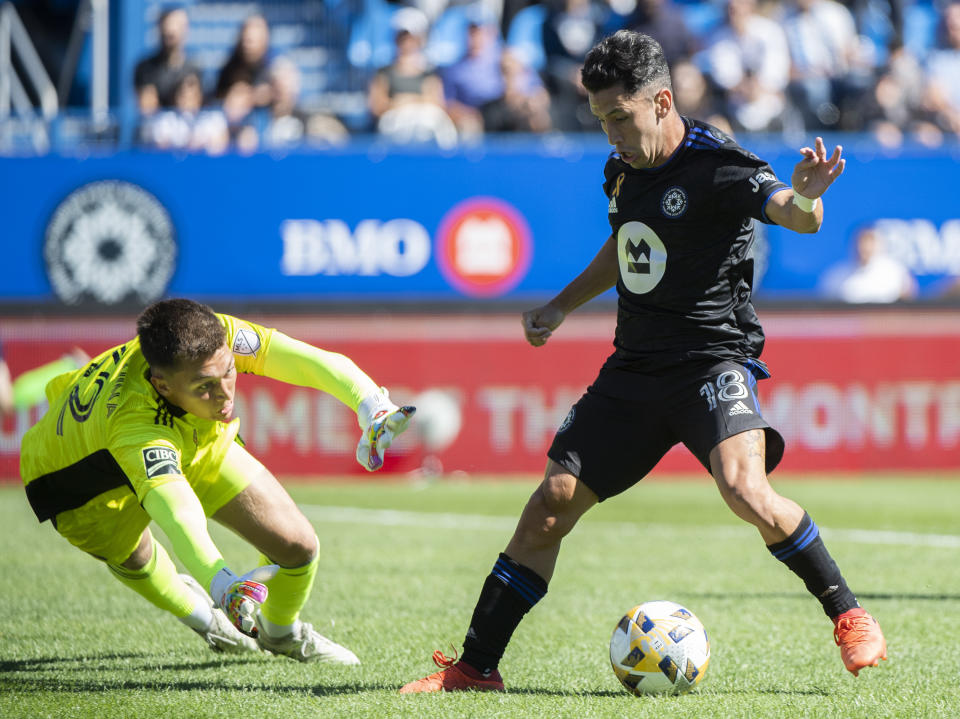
column 295, row 362
column 177, row 511
column 299, row 363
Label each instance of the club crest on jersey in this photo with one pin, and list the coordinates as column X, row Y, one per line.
column 159, row 461
column 246, row 342
column 674, row 202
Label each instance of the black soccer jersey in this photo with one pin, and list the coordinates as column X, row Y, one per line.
column 684, row 233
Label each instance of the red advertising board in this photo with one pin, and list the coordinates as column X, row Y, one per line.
column 850, row 391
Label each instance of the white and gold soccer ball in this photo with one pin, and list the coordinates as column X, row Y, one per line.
column 659, row 647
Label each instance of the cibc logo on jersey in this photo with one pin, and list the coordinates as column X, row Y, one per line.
column 159, row 461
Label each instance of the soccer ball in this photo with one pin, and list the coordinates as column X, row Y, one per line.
column 659, row 648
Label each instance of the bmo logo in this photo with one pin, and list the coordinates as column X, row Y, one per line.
column 398, row 248
column 483, row 247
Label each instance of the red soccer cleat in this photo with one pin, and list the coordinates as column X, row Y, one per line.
column 860, row 640
column 452, row 678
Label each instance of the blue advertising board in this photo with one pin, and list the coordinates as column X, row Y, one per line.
column 512, row 222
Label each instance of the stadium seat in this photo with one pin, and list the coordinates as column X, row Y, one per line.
column 371, row 43
column 447, row 40
column 525, row 36
column 701, row 17
column 920, row 21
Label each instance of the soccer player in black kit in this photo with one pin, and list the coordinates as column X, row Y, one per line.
column 683, row 198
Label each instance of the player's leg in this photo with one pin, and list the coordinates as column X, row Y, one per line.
column 738, row 467
column 516, row 583
column 792, row 537
column 520, row 575
column 588, row 462
column 265, row 515
column 149, row 571
column 745, row 449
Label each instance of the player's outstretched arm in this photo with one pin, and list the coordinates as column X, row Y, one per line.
column 802, row 209
column 294, row 362
column 177, row 511
column 598, row 277
column 380, row 420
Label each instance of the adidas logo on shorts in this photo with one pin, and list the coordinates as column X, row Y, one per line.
column 739, row 408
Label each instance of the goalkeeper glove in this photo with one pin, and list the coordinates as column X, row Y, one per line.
column 381, row 420
column 241, row 597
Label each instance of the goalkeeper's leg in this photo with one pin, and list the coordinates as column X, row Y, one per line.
column 265, row 515
column 150, row 572
column 288, row 592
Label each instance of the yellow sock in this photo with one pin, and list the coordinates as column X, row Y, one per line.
column 158, row 583
column 288, row 591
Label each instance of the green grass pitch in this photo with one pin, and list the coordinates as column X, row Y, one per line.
column 400, row 571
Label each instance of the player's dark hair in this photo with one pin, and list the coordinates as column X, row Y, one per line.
column 630, row 58
column 179, row 330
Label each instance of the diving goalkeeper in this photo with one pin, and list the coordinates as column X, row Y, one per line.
column 145, row 432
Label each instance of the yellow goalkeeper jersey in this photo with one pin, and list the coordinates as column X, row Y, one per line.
column 107, row 427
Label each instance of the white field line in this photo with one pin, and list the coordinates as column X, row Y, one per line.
column 449, row 520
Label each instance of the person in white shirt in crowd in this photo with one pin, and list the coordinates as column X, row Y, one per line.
column 829, row 72
column 188, row 126
column 747, row 58
column 872, row 276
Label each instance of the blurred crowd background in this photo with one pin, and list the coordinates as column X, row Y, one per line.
column 213, row 80
column 212, row 76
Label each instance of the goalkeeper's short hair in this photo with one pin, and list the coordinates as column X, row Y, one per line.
column 179, row 330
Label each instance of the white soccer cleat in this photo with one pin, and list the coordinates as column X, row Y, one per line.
column 221, row 635
column 306, row 645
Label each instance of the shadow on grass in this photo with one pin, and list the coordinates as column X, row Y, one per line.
column 64, row 685
column 907, row 596
column 107, row 662
column 911, row 596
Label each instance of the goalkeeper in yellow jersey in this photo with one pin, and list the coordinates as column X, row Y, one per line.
column 145, row 432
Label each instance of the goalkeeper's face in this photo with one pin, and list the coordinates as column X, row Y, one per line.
column 205, row 388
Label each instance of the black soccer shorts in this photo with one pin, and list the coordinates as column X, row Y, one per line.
column 627, row 421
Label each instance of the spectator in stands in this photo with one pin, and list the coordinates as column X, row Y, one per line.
column 942, row 91
column 663, row 21
column 695, row 97
column 894, row 107
column 288, row 124
column 405, row 98
column 525, row 105
column 249, row 64
column 747, row 58
column 238, row 110
column 872, row 276
column 410, row 79
column 157, row 77
column 475, row 79
column 570, row 29
column 187, row 126
column 828, row 75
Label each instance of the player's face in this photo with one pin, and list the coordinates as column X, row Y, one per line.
column 204, row 388
column 632, row 124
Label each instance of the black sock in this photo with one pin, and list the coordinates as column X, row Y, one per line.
column 507, row 595
column 806, row 556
